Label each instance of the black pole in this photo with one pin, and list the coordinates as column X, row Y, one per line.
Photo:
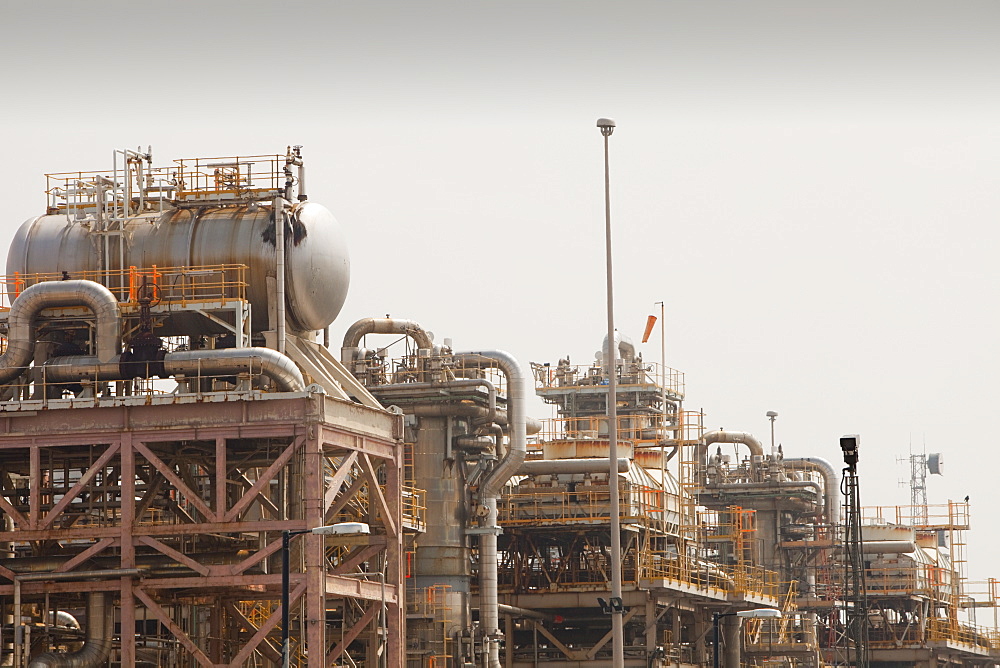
column 285, row 658
column 715, row 640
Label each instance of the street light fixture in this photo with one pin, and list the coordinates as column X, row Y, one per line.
column 756, row 613
column 771, row 415
column 607, row 126
column 339, row 529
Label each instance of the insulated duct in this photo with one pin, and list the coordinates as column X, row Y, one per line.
column 276, row 366
column 381, row 326
column 831, row 490
column 626, row 350
column 223, row 362
column 96, row 649
column 489, row 489
column 569, row 466
column 722, row 436
column 53, row 294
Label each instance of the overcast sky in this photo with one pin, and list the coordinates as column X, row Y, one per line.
column 810, row 187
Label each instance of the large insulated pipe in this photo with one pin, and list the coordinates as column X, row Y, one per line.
column 381, row 326
column 406, row 388
column 97, row 647
column 569, row 466
column 831, row 490
column 54, row 294
column 722, row 436
column 626, row 350
column 228, row 361
column 489, row 489
column 888, row 547
column 223, row 362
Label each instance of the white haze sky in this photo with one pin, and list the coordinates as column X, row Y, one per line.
column 811, row 187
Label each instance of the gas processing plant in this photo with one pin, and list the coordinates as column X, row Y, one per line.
column 190, row 477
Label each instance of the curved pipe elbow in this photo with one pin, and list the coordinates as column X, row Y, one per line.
column 831, row 489
column 516, row 408
column 384, row 326
column 53, row 294
column 97, row 647
column 276, row 366
column 723, row 436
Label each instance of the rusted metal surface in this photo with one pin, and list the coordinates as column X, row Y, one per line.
column 172, row 489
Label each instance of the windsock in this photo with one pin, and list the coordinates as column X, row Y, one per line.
column 650, row 321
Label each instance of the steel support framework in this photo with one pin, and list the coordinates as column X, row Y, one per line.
column 196, row 496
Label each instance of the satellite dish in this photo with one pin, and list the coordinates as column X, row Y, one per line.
column 935, row 462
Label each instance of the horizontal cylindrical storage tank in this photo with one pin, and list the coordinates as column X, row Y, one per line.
column 317, row 273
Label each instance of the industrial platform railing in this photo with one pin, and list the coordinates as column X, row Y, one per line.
column 632, row 376
column 33, row 390
column 137, row 186
column 952, row 515
column 638, row 505
column 160, row 286
column 237, row 176
column 683, row 569
column 644, row 430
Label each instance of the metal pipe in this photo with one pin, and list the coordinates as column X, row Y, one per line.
column 888, row 547
column 524, row 612
column 455, row 409
column 72, row 575
column 489, row 489
column 222, row 362
column 831, row 486
column 279, row 268
column 229, row 361
column 302, row 181
column 773, row 485
column 381, row 326
column 52, row 294
column 64, row 619
column 554, row 466
column 403, row 388
column 722, row 436
column 96, row 648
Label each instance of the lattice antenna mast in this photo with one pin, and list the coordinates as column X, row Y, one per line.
column 918, row 487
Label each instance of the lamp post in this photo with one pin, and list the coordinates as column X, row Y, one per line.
column 340, row 529
column 756, row 613
column 607, row 126
column 772, row 416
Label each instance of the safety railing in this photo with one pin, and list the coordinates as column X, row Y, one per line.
column 630, row 373
column 545, row 505
column 157, row 285
column 704, row 574
column 35, row 385
column 642, row 430
column 982, row 593
column 952, row 515
column 949, row 630
column 903, row 579
column 239, row 177
column 104, row 199
column 136, row 185
column 414, row 508
column 377, row 370
column 793, row 631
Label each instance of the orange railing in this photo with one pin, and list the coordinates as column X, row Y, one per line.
column 173, row 285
